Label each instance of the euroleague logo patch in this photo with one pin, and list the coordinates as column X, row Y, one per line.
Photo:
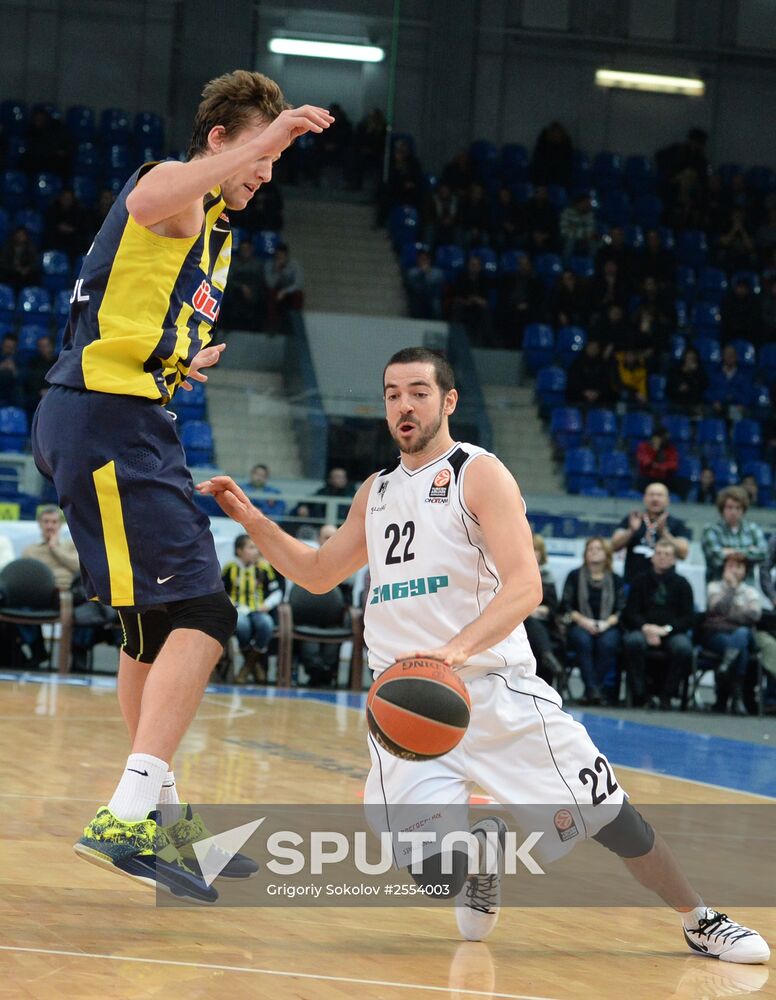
column 565, row 825
column 440, row 488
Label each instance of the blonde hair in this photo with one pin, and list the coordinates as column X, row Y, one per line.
column 233, row 101
column 606, row 546
column 538, row 543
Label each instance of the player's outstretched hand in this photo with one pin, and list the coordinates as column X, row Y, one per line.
column 452, row 654
column 206, row 358
column 289, row 125
column 229, row 497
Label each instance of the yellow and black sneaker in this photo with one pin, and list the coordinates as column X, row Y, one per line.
column 142, row 851
column 189, row 829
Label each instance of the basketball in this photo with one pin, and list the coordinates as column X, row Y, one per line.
column 418, row 709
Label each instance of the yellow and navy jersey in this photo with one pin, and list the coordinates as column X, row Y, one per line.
column 144, row 305
column 252, row 586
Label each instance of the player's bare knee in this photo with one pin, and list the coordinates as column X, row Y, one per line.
column 213, row 614
column 443, row 875
column 628, row 835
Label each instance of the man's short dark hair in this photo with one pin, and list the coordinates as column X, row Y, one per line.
column 240, row 542
column 260, row 465
column 443, row 370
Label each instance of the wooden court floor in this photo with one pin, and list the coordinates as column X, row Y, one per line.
column 68, row 929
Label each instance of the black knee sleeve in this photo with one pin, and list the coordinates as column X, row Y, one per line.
column 449, row 883
column 628, row 835
column 146, row 630
column 214, row 614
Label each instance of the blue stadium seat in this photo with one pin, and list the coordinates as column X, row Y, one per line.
column 538, row 346
column 690, row 468
column 62, row 306
column 13, row 117
column 488, row 259
column 558, row 195
column 266, row 242
column 114, row 185
column 114, row 126
column 13, row 428
column 522, row 191
column 566, row 427
column 551, row 387
column 451, row 259
column 648, row 211
column 514, row 156
column 197, row 440
column 404, row 225
column 29, row 335
column 509, row 261
column 761, row 179
column 570, row 342
column 760, row 400
column 607, row 171
column 616, row 471
column 45, row 187
column 678, row 427
column 51, row 109
column 705, row 319
column 594, row 491
column 582, row 174
column 80, row 123
column 634, row 236
column 637, row 426
column 583, row 267
column 601, row 429
column 32, row 220
column 667, row 238
column 640, row 175
column 656, row 389
column 711, row 436
column 548, row 267
column 677, row 345
column 56, row 270
column 5, row 226
column 87, row 159
column 712, row 284
column 692, row 248
column 709, row 350
column 685, row 282
column 725, row 472
column 747, row 440
column 7, row 304
column 14, row 190
column 752, row 278
column 190, row 405
column 148, row 129
column 33, row 303
column 85, row 190
column 768, row 362
column 747, row 355
column 117, row 161
column 484, row 154
column 616, row 208
column 16, row 149
column 581, row 469
column 763, row 477
column 408, row 254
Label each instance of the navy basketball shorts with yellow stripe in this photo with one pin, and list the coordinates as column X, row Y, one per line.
column 120, row 472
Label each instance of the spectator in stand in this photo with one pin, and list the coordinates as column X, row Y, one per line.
column 706, row 489
column 741, row 314
column 569, row 301
column 578, row 227
column 405, row 181
column 593, row 600
column 653, row 321
column 767, row 323
column 443, row 217
column 715, row 211
column 733, row 609
column 520, row 301
column 541, row 222
column 735, row 248
column 657, row 461
column 11, row 389
column 749, row 483
column 255, row 590
column 588, row 378
column 553, row 157
column 459, row 174
column 541, row 624
column 687, row 384
column 629, row 376
column 336, row 139
column 243, row 305
column 264, row 496
column 765, row 639
column 611, row 328
column 48, row 146
column 35, row 384
column 682, row 172
column 508, row 222
column 610, row 287
column 470, row 302
column 98, row 215
column 284, row 279
column 613, row 247
column 656, row 262
column 475, row 216
column 732, row 533
column 765, row 236
column 19, row 260
column 366, row 153
column 67, row 225
column 658, row 615
column 425, row 288
column 640, row 532
column 740, row 196
column 729, row 386
column 337, row 485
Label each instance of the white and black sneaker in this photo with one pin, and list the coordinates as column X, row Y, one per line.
column 479, row 902
column 717, row 936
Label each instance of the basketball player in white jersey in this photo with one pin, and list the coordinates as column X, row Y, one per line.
column 453, row 575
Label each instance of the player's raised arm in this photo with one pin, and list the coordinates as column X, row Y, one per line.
column 317, row 570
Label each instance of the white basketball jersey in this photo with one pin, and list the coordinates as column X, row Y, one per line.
column 431, row 572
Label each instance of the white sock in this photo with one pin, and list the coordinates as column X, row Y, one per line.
column 691, row 919
column 169, row 803
column 137, row 793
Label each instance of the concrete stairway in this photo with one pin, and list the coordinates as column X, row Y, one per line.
column 520, row 440
column 349, row 266
column 252, row 422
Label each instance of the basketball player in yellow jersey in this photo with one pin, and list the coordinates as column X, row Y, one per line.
column 141, row 316
column 451, row 512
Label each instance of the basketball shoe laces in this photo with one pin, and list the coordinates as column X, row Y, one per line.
column 482, row 892
column 190, row 831
column 722, row 927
